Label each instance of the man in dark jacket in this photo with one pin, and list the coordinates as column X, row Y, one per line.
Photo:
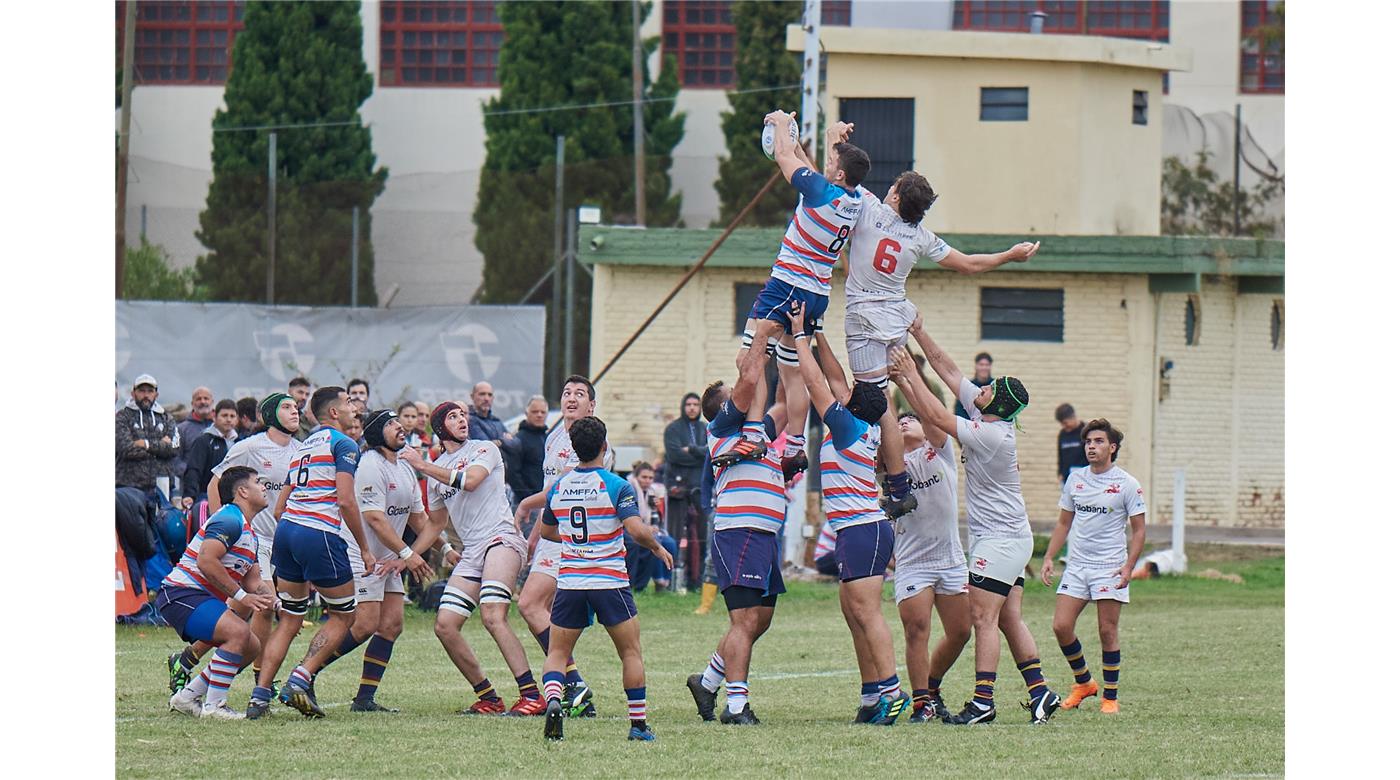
column 208, row 451
column 687, row 457
column 526, row 463
column 1071, row 446
column 200, row 418
column 146, row 439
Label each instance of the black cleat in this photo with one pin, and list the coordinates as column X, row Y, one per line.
column 794, row 464
column 303, row 701
column 256, row 709
column 554, row 720
column 369, row 705
column 744, row 717
column 973, row 713
column 179, row 675
column 924, row 713
column 578, row 701
column 1043, row 707
column 704, row 700
column 940, row 710
column 871, row 713
column 744, row 449
column 897, row 509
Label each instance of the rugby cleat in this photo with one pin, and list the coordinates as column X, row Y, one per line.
column 704, row 700
column 641, row 734
column 588, row 711
column 179, row 675
column 1043, row 707
column 221, row 712
column 940, row 710
column 744, row 717
column 301, row 700
column 924, row 713
column 1108, row 706
column 794, row 464
column 1078, row 693
column 554, row 720
column 190, row 705
column 744, row 449
column 369, row 705
column 578, row 701
column 525, row 708
column 897, row 509
column 483, row 707
column 894, row 707
column 973, row 713
column 872, row 713
column 257, row 709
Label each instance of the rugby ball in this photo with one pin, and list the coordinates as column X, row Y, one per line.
column 766, row 140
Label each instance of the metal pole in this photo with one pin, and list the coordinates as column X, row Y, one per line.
column 811, row 70
column 124, row 142
column 355, row 256
column 639, row 141
column 143, row 222
column 1237, row 169
column 556, row 316
column 271, row 214
column 570, row 304
column 1179, row 517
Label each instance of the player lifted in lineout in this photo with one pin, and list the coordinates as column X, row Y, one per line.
column 1100, row 501
column 826, row 214
column 885, row 245
column 998, row 527
column 587, row 511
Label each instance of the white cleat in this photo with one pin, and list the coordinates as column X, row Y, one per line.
column 221, row 712
column 182, row 702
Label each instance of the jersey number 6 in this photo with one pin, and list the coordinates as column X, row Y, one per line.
column 303, row 470
column 885, row 253
column 578, row 521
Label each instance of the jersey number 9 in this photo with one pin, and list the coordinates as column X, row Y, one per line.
column 578, row 521
column 885, row 254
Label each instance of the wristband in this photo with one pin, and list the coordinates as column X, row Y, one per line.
column 406, row 552
column 799, row 335
column 446, row 548
column 239, row 595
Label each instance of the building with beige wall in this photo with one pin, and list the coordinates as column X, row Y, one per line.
column 1217, row 412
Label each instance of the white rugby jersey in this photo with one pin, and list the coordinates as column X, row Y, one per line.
column 750, row 493
column 927, row 538
column 995, row 508
column 229, row 527
column 1102, row 505
column 478, row 515
column 849, row 494
column 270, row 460
column 820, row 227
column 390, row 488
column 884, row 249
column 589, row 507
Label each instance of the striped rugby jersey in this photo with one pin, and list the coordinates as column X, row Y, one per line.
column 849, row 494
column 312, row 503
column 750, row 493
column 228, row 527
column 589, row 507
column 825, row 216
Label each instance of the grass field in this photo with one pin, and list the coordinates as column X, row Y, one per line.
column 1201, row 692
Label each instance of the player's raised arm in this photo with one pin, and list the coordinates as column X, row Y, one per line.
column 976, row 264
column 938, row 423
column 835, row 375
column 812, row 375
column 942, row 364
column 785, row 152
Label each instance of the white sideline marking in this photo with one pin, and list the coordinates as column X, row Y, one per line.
column 795, row 675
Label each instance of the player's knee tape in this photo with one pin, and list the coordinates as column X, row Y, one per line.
column 495, row 592
column 341, row 604
column 456, row 600
column 882, row 382
column 817, row 328
column 747, row 342
column 787, row 356
column 294, row 606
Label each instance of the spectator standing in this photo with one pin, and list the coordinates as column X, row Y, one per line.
column 687, row 457
column 642, row 566
column 206, row 451
column 1071, row 442
column 146, row 439
column 248, row 423
column 201, row 416
column 408, row 418
column 358, row 390
column 526, row 462
column 483, row 424
column 981, row 376
column 300, row 391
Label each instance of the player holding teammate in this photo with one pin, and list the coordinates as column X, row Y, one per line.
column 750, row 510
column 319, row 497
column 885, row 246
column 826, row 214
column 932, row 569
column 220, row 563
column 592, row 506
column 998, row 526
column 864, row 536
column 1100, row 500
column 469, row 488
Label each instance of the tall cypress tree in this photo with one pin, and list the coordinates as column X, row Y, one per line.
column 567, row 54
column 763, row 61
column 294, row 63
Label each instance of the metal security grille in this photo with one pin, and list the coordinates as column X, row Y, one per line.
column 1022, row 314
column 885, row 130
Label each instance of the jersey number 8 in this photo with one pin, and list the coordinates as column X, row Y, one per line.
column 578, row 521
column 885, row 253
column 840, row 239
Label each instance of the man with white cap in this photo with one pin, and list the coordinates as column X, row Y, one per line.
column 147, row 441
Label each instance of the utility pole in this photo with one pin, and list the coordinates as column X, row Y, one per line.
column 1237, row 169
column 124, row 143
column 271, row 214
column 639, row 141
column 570, row 241
column 811, row 72
column 556, row 286
column 355, row 257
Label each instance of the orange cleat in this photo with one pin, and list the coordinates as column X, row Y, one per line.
column 527, row 707
column 1109, row 706
column 483, row 707
column 1078, row 693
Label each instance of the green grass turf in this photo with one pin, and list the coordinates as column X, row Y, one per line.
column 1202, row 695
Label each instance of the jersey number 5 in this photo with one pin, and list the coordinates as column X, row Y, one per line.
column 885, row 254
column 303, row 470
column 578, row 521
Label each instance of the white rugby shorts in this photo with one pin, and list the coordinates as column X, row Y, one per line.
column 1000, row 558
column 265, row 556
column 372, row 587
column 910, row 581
column 1091, row 584
column 474, row 559
column 872, row 328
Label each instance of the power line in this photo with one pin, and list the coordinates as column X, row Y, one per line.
column 289, row 127
column 615, row 103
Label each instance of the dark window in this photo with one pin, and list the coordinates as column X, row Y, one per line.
column 744, row 296
column 1139, row 107
column 1193, row 321
column 181, row 42
column 1276, row 326
column 836, row 13
column 1147, row 19
column 1261, row 47
column 439, row 44
column 887, row 135
column 1005, row 104
column 1023, row 314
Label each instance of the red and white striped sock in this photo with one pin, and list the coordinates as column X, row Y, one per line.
column 637, row 705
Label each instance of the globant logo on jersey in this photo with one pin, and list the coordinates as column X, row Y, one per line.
column 927, row 483
column 395, row 511
column 1090, row 509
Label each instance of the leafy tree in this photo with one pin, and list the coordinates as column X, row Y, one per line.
column 294, row 63
column 763, row 61
column 1196, row 202
column 149, row 277
column 567, row 54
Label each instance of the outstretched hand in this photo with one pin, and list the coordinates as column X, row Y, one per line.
column 797, row 315
column 1023, row 251
column 779, row 118
column 901, row 365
